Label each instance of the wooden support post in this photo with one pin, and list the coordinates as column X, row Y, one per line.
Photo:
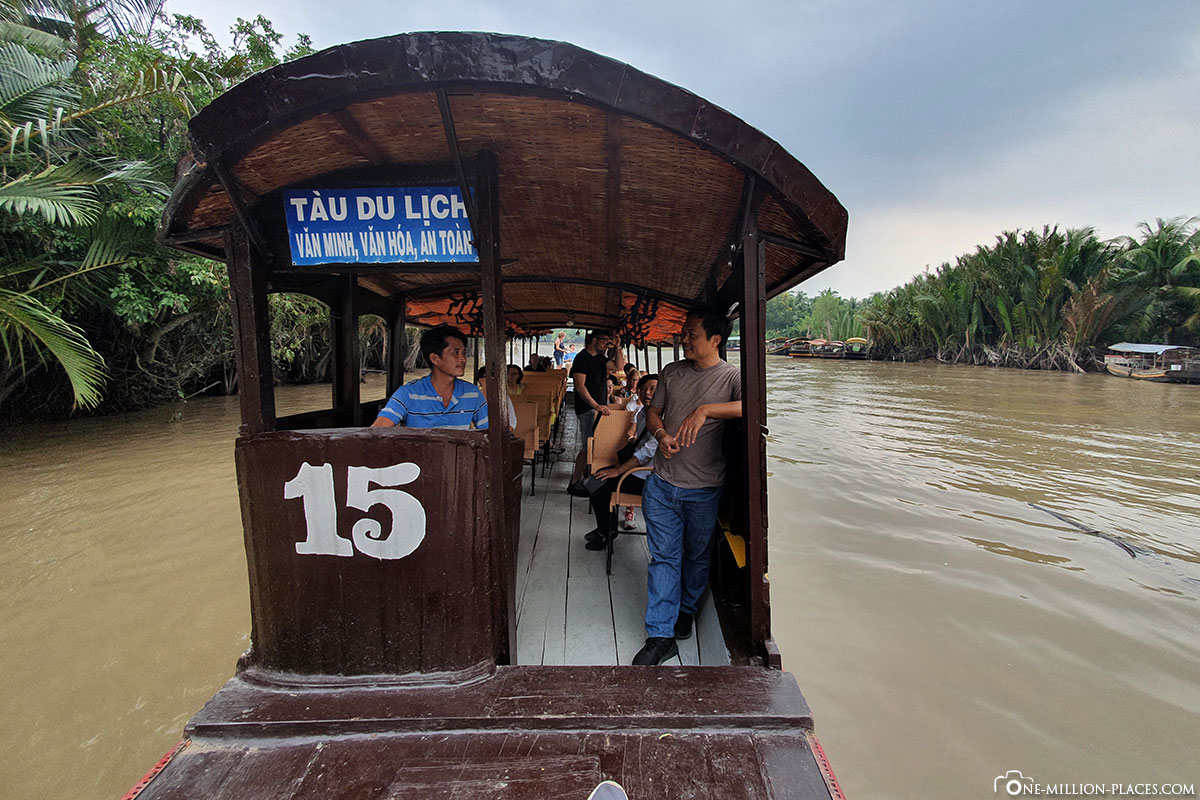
column 397, row 344
column 658, row 348
column 675, row 345
column 346, row 365
column 754, row 416
column 487, row 195
column 251, row 332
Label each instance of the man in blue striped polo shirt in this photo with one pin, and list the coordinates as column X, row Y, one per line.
column 440, row 399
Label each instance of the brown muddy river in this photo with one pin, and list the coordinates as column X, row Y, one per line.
column 943, row 630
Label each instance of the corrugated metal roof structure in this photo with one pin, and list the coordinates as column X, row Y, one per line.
column 1149, row 349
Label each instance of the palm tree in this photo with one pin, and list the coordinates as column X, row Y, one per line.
column 1164, row 259
column 47, row 179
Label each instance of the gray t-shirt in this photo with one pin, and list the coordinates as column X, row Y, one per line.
column 682, row 387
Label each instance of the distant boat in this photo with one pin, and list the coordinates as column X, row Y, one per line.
column 779, row 346
column 1160, row 363
column 856, row 347
column 801, row 347
column 833, row 349
column 735, row 344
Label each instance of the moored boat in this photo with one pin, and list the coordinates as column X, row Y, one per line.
column 803, row 347
column 1158, row 363
column 856, row 347
column 778, row 346
column 385, row 626
column 832, row 349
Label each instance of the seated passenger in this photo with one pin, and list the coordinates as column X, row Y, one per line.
column 616, row 391
column 637, row 453
column 440, row 399
column 535, row 363
column 515, row 376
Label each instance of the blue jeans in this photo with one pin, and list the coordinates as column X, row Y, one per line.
column 679, row 530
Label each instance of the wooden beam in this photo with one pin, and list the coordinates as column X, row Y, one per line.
column 502, row 534
column 347, row 376
column 754, row 417
column 251, row 333
column 200, row 234
column 359, row 136
column 459, row 170
column 448, row 288
column 753, row 195
column 792, row 244
column 249, row 224
column 415, row 267
column 397, row 344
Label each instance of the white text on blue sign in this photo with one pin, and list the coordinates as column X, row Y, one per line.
column 378, row 226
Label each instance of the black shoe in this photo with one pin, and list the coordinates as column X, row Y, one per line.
column 593, row 535
column 657, row 650
column 576, row 490
column 600, row 542
column 683, row 625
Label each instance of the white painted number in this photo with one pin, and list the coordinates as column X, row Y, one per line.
column 315, row 486
column 408, row 517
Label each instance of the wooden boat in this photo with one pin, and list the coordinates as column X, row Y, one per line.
column 833, row 349
column 856, row 347
column 778, row 346
column 474, row 180
column 802, row 347
column 1158, row 363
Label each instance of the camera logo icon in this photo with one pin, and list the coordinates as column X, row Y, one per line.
column 1013, row 782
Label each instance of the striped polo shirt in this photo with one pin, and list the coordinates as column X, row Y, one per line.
column 417, row 405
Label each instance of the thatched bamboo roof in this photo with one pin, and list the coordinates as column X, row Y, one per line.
column 615, row 186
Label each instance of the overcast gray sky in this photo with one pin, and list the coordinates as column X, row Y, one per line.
column 937, row 124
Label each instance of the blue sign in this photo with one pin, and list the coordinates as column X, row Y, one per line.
column 394, row 225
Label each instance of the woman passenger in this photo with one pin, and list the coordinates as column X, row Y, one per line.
column 515, row 376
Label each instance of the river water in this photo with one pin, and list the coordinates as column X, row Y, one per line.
column 943, row 630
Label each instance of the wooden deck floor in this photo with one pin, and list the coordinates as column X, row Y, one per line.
column 568, row 610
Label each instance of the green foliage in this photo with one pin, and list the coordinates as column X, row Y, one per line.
column 94, row 103
column 1044, row 299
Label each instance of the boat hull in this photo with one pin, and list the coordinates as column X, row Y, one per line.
column 1123, row 370
column 531, row 732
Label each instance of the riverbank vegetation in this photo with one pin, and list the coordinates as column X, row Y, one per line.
column 94, row 103
column 1048, row 299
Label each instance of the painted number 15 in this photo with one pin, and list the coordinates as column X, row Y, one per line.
column 315, row 486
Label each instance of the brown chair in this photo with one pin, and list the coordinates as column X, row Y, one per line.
column 527, row 430
column 611, row 434
column 622, row 499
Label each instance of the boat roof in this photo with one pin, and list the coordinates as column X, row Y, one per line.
column 1155, row 349
column 622, row 196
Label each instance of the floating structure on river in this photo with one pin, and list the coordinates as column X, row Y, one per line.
column 1158, row 363
column 382, row 564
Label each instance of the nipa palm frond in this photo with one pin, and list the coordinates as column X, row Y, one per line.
column 23, row 319
column 62, row 195
column 30, row 85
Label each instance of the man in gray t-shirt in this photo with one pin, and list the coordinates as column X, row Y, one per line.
column 680, row 499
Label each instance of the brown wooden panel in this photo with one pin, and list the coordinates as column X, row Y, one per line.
column 429, row 611
column 701, row 764
column 534, row 697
